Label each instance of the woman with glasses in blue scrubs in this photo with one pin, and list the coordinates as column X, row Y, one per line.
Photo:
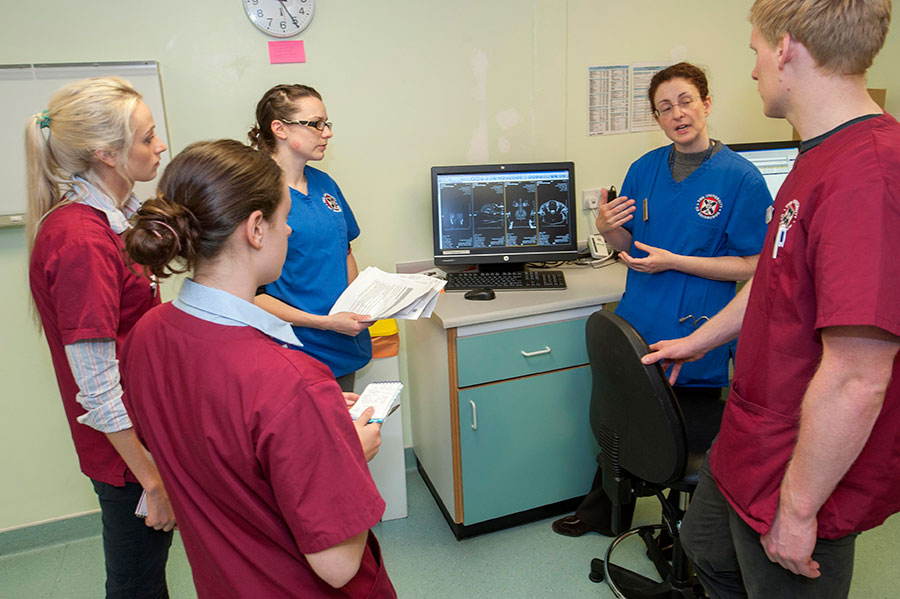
column 689, row 223
column 292, row 127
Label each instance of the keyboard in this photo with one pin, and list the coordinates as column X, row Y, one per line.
column 506, row 281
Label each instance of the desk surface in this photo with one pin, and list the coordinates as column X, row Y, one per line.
column 586, row 287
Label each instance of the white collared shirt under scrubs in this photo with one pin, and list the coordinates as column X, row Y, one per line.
column 220, row 307
column 93, row 361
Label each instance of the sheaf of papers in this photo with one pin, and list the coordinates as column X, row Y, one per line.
column 388, row 295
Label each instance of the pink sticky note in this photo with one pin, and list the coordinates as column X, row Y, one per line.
column 287, row 51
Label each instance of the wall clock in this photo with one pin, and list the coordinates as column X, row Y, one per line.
column 280, row 18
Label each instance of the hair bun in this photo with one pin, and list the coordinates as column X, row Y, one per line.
column 253, row 135
column 169, row 228
column 161, row 232
column 206, row 192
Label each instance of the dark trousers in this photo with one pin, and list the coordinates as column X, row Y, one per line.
column 702, row 409
column 135, row 553
column 730, row 561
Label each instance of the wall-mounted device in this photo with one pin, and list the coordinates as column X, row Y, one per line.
column 597, row 246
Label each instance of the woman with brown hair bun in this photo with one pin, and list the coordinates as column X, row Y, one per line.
column 264, row 466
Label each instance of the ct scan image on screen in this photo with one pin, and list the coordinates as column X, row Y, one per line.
column 514, row 210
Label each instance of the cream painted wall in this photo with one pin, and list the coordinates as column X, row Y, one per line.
column 714, row 35
column 419, row 84
column 409, row 85
column 648, row 32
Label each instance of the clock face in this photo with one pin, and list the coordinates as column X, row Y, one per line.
column 280, row 18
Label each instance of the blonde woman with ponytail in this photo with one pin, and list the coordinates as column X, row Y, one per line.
column 84, row 154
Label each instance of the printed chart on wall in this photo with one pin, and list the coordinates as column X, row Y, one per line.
column 608, row 99
column 617, row 98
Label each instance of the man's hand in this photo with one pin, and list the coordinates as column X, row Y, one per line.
column 369, row 434
column 790, row 543
column 657, row 259
column 673, row 353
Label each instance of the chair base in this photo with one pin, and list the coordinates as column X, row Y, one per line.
column 677, row 583
column 634, row 586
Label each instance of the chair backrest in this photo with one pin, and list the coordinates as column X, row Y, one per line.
column 634, row 413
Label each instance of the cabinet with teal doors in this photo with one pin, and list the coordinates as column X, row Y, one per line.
column 513, row 441
column 525, row 443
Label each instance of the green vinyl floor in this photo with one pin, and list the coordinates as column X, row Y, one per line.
column 425, row 561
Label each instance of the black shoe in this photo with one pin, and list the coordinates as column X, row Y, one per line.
column 572, row 526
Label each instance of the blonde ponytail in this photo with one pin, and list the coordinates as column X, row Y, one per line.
column 61, row 142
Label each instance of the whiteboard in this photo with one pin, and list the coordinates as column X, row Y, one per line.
column 25, row 90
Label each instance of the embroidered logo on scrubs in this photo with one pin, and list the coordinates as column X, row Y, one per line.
column 331, row 202
column 787, row 220
column 709, row 206
column 789, row 216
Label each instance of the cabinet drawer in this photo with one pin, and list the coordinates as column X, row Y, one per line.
column 502, row 355
column 526, row 443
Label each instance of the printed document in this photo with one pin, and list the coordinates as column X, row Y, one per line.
column 387, row 295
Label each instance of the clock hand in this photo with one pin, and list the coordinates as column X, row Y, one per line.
column 284, row 6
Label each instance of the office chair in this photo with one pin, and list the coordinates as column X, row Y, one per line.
column 645, row 449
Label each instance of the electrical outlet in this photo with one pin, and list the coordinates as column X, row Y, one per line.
column 590, row 199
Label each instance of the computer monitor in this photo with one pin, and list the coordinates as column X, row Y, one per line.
column 774, row 159
column 500, row 216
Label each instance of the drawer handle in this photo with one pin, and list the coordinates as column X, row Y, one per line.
column 474, row 416
column 539, row 352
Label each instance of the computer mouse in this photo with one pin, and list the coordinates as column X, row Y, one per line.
column 480, row 293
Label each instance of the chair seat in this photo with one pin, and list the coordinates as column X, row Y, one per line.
column 702, row 418
column 688, row 482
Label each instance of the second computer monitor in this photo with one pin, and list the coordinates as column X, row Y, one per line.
column 774, row 159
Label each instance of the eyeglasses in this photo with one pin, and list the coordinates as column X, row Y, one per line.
column 684, row 103
column 319, row 125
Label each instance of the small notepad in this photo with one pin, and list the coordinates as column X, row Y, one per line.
column 382, row 396
column 141, row 510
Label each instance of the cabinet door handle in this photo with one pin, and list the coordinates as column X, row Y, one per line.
column 539, row 352
column 474, row 416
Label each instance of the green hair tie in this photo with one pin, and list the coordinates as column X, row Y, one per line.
column 43, row 119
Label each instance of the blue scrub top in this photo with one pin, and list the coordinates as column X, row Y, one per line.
column 315, row 271
column 719, row 210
